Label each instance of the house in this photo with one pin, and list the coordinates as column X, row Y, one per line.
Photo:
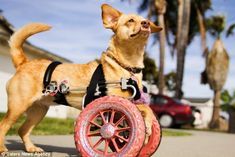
column 205, row 106
column 7, row 69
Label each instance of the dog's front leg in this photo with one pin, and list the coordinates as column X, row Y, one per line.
column 148, row 116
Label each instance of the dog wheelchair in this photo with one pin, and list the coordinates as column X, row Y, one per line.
column 109, row 125
column 113, row 126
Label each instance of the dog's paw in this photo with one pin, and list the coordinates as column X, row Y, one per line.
column 146, row 140
column 34, row 149
column 148, row 129
column 148, row 133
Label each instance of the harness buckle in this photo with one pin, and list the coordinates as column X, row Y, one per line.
column 51, row 89
column 64, row 87
column 131, row 84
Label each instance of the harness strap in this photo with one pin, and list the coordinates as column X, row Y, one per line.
column 97, row 87
column 48, row 73
column 59, row 97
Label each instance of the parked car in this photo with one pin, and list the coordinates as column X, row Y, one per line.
column 171, row 112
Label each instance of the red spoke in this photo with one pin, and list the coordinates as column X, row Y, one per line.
column 95, row 124
column 106, row 147
column 103, row 118
column 115, row 145
column 98, row 142
column 120, row 120
column 122, row 138
column 93, row 134
column 123, row 129
column 112, row 116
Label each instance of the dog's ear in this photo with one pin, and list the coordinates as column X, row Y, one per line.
column 155, row 28
column 110, row 16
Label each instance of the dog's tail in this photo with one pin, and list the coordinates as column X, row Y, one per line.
column 19, row 37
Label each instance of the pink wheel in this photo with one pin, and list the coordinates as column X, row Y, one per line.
column 109, row 126
column 154, row 140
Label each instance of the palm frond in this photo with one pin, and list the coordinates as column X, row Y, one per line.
column 203, row 5
column 144, row 5
column 216, row 25
column 230, row 30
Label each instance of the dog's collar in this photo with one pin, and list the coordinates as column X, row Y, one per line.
column 134, row 70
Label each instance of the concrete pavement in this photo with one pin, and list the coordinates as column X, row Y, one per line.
column 200, row 144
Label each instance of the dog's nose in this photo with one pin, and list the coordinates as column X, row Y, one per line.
column 145, row 23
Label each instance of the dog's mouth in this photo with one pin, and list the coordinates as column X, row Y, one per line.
column 142, row 30
column 135, row 34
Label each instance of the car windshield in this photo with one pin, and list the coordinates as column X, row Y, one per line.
column 177, row 101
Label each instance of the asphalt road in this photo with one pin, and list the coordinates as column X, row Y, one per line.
column 200, row 144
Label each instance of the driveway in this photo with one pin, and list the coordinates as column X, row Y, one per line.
column 200, row 144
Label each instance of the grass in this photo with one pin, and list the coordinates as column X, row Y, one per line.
column 48, row 126
column 167, row 132
column 55, row 126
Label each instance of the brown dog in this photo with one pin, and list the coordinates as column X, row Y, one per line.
column 24, row 89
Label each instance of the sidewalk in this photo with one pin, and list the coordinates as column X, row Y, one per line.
column 200, row 144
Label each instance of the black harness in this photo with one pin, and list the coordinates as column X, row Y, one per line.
column 96, row 89
column 59, row 97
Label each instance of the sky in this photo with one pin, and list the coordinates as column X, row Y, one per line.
column 78, row 34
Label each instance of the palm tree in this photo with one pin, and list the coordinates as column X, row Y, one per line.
column 172, row 26
column 217, row 64
column 157, row 8
column 161, row 10
column 184, row 7
column 201, row 6
column 187, row 28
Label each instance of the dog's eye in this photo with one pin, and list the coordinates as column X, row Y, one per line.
column 131, row 20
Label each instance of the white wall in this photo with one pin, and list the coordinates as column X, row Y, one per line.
column 6, row 72
column 3, row 96
column 206, row 112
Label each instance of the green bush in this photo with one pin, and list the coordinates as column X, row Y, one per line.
column 228, row 101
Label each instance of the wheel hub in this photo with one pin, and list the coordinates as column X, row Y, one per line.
column 107, row 131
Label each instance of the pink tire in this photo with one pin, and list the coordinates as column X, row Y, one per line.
column 107, row 122
column 154, row 140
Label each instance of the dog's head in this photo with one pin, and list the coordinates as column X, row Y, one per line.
column 127, row 27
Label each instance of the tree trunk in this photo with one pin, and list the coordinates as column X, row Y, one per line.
column 217, row 70
column 231, row 128
column 182, row 42
column 162, row 54
column 160, row 6
column 216, row 110
column 202, row 29
column 178, row 38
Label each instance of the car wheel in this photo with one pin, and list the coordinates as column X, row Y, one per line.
column 166, row 121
